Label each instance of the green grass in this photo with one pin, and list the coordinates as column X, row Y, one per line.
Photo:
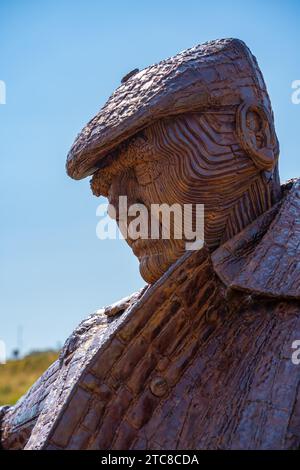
column 17, row 376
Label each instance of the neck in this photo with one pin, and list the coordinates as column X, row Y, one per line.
column 257, row 199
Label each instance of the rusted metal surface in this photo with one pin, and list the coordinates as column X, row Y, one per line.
column 193, row 363
column 200, row 358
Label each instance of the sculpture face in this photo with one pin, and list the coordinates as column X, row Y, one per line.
column 190, row 159
column 196, row 128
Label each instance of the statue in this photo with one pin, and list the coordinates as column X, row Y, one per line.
column 201, row 358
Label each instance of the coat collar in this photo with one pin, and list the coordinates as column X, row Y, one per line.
column 264, row 259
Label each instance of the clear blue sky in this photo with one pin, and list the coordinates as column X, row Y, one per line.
column 60, row 61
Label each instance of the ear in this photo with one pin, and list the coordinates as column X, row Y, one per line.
column 256, row 134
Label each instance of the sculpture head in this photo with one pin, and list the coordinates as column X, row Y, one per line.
column 198, row 129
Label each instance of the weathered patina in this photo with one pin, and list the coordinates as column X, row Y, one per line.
column 201, row 357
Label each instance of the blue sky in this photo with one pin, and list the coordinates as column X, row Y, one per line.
column 60, row 61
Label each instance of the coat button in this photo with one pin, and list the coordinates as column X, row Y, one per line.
column 159, row 386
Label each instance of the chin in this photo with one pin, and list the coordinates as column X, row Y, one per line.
column 154, row 265
column 152, row 268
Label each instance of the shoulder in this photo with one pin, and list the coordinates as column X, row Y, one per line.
column 96, row 321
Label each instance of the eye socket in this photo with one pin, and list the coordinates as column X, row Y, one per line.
column 147, row 172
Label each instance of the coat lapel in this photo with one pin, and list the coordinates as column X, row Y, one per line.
column 264, row 259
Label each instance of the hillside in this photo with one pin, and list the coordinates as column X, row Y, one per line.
column 16, row 376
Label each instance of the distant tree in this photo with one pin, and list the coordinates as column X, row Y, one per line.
column 16, row 353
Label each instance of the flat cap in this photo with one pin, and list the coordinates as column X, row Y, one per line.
column 217, row 73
